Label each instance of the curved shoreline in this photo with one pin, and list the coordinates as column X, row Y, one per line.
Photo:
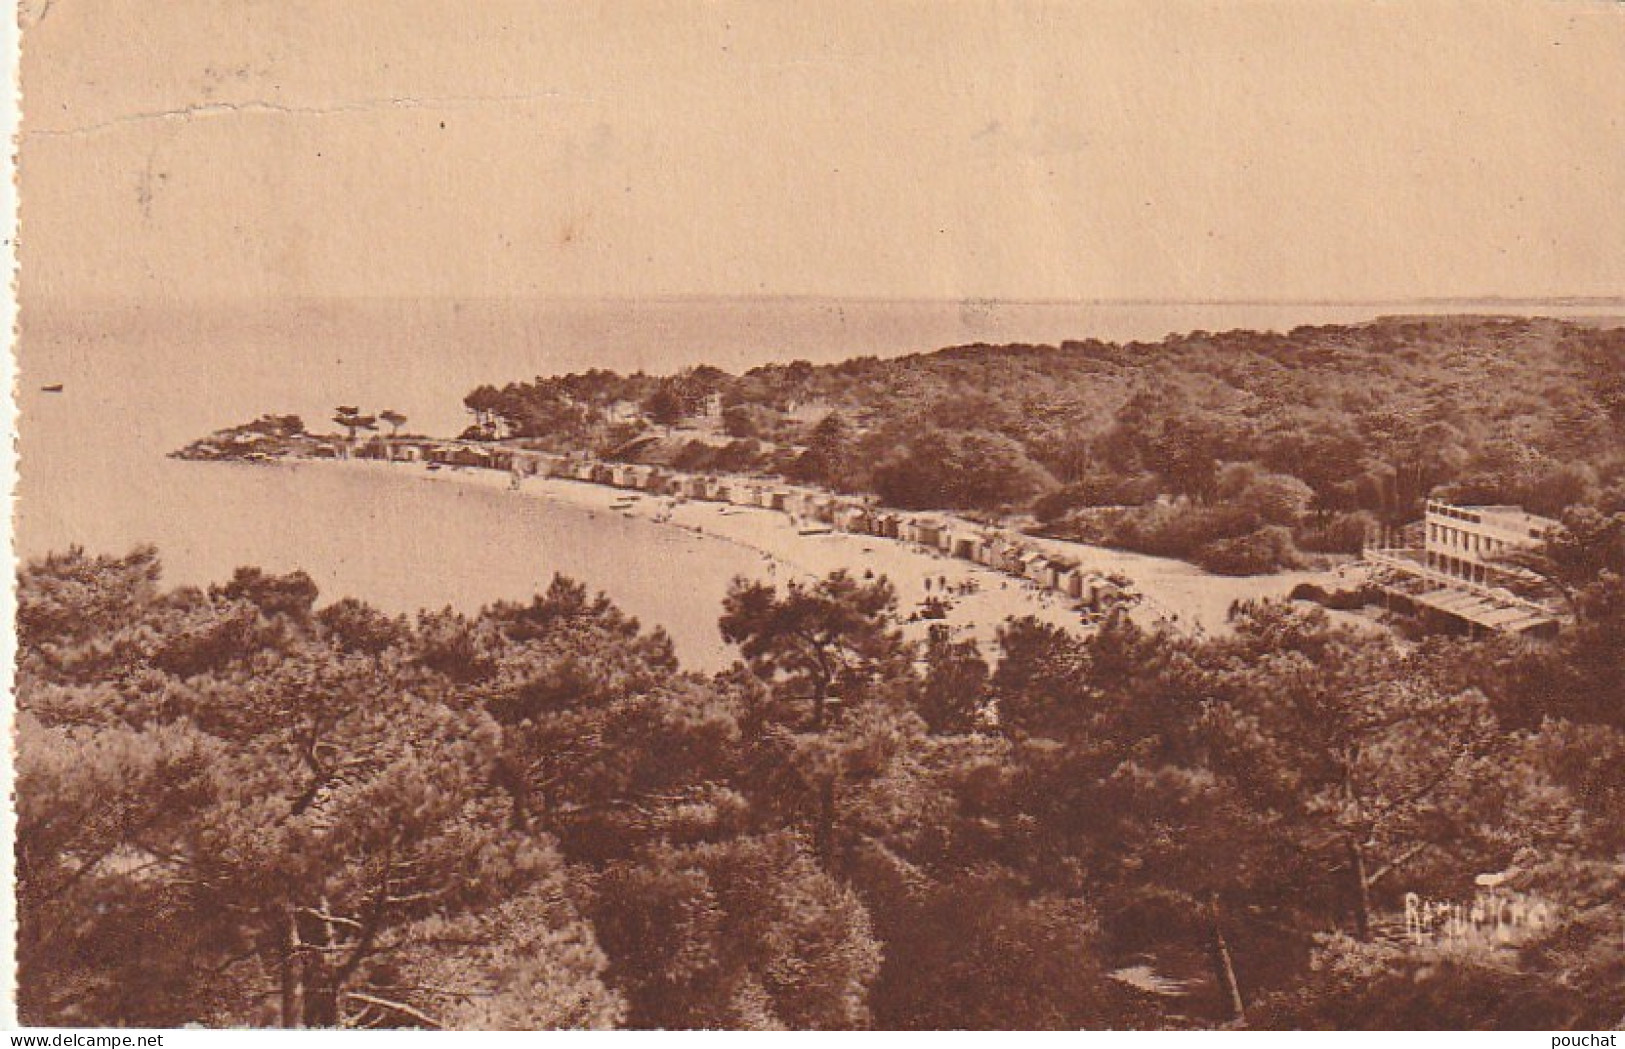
column 783, row 552
column 981, row 598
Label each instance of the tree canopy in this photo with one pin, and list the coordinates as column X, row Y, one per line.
column 240, row 806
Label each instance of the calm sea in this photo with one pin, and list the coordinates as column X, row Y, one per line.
column 139, row 382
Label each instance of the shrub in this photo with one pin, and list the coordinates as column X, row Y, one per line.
column 1270, row 549
column 1176, row 529
column 1094, row 491
column 1335, row 533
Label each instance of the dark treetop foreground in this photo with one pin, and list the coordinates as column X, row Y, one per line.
column 237, row 807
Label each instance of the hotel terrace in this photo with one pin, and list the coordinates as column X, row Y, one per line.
column 1457, row 573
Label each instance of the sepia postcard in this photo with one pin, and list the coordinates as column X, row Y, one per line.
column 827, row 516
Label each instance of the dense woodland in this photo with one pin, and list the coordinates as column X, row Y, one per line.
column 1243, row 451
column 237, row 805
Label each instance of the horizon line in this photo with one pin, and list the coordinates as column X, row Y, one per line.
column 48, row 299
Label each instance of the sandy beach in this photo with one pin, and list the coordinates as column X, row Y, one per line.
column 980, row 598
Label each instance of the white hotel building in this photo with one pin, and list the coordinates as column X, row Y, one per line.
column 1458, row 573
column 1464, row 541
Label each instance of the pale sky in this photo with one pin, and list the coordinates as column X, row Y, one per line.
column 187, row 149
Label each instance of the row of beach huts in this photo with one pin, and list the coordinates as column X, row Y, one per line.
column 999, row 549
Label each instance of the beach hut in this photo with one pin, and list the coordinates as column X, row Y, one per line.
column 850, row 517
column 1073, row 582
column 888, row 525
column 822, row 508
column 927, row 531
column 1007, row 555
column 745, row 494
column 1103, row 594
column 777, row 499
column 798, row 504
column 962, row 542
column 1033, row 566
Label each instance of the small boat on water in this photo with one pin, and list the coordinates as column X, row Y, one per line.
column 54, row 387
